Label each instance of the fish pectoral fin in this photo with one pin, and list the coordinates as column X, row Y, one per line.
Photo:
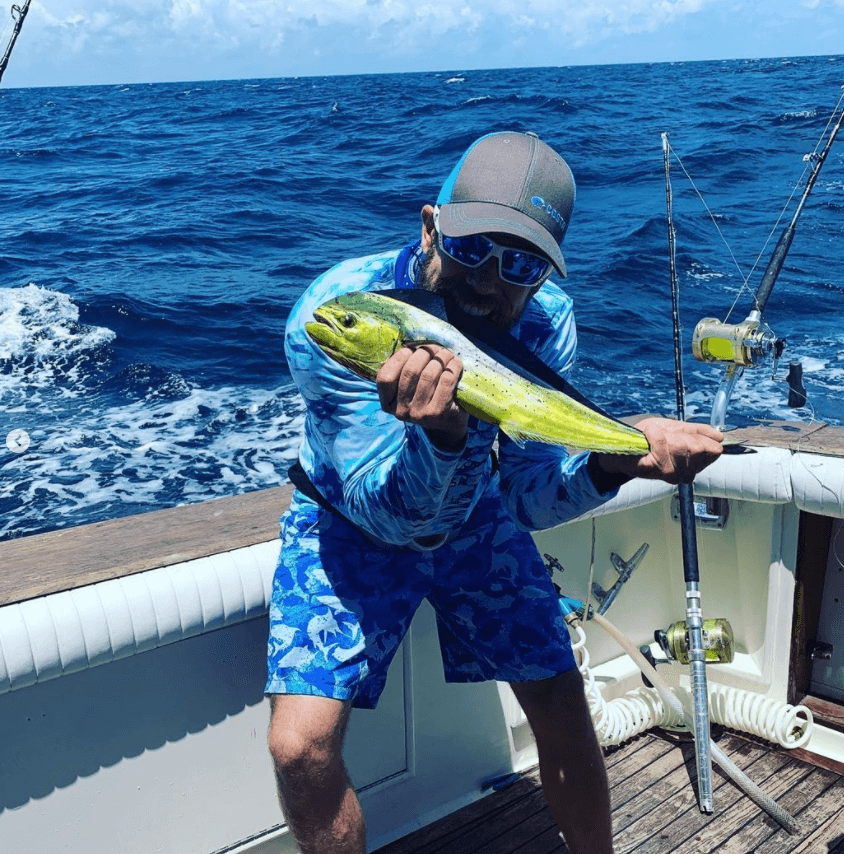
column 420, row 342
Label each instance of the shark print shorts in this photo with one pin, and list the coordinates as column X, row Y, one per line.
column 341, row 605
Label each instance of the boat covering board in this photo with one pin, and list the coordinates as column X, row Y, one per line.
column 74, row 557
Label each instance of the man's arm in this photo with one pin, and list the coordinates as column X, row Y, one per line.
column 679, row 451
column 388, row 477
column 542, row 484
column 544, row 487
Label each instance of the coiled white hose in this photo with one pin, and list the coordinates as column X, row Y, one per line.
column 641, row 708
column 624, row 717
column 671, row 701
column 778, row 722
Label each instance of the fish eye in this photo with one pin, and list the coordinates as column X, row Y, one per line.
column 348, row 321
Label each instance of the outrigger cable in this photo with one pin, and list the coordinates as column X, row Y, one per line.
column 769, row 277
column 753, row 322
column 691, row 571
column 20, row 11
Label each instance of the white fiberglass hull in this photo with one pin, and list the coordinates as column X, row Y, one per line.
column 132, row 711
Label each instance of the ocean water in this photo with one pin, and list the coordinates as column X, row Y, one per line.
column 155, row 237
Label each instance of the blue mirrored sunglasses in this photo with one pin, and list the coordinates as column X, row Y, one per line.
column 516, row 266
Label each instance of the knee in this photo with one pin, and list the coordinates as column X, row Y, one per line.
column 298, row 754
column 553, row 704
column 303, row 747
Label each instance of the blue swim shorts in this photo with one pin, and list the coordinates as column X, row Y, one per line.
column 341, row 605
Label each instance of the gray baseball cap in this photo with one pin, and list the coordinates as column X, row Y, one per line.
column 512, row 183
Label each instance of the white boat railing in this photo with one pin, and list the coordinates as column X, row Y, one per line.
column 50, row 636
column 65, row 632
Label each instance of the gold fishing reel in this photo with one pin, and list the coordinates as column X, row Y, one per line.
column 743, row 344
column 717, row 637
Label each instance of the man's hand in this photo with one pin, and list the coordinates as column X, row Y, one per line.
column 418, row 386
column 679, row 450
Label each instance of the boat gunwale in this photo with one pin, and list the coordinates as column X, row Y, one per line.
column 68, row 558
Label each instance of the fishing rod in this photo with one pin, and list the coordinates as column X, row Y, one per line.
column 744, row 345
column 691, row 570
column 18, row 14
column 740, row 345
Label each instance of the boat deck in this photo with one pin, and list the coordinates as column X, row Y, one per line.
column 655, row 808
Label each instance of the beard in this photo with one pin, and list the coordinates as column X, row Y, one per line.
column 496, row 308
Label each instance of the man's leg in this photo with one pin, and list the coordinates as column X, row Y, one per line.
column 319, row 803
column 571, row 766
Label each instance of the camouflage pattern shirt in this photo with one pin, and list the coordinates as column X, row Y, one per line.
column 384, row 475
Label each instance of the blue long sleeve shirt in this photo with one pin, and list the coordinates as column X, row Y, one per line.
column 385, row 475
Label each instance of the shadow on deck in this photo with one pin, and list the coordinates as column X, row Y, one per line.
column 655, row 808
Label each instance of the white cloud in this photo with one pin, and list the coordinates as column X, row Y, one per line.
column 182, row 11
column 194, row 39
column 584, row 19
column 582, row 22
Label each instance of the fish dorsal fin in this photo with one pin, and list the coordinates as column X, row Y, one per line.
column 497, row 343
column 423, row 300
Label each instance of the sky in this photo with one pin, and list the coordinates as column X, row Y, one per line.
column 84, row 42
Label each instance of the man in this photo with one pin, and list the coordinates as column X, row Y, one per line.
column 405, row 503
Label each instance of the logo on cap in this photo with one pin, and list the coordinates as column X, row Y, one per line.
column 539, row 202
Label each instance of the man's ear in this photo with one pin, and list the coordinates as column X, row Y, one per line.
column 427, row 227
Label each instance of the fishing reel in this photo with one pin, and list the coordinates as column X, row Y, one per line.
column 717, row 637
column 744, row 344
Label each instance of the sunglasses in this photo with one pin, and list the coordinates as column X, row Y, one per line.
column 515, row 266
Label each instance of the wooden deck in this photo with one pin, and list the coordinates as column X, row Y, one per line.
column 655, row 807
column 75, row 557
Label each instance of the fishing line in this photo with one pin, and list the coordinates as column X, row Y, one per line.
column 745, row 279
column 808, row 159
column 824, row 488
column 774, row 228
column 711, row 214
column 591, row 577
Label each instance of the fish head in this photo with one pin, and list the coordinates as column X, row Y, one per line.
column 357, row 339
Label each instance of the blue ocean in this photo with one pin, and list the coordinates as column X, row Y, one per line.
column 155, row 237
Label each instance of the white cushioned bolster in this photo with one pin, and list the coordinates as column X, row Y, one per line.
column 762, row 474
column 818, row 484
column 48, row 637
column 54, row 635
column 634, row 493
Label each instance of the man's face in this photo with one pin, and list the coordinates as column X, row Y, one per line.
column 478, row 291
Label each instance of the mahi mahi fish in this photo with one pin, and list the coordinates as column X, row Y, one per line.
column 362, row 330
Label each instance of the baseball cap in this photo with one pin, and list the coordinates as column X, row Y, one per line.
column 512, row 183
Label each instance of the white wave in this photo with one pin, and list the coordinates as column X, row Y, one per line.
column 142, row 455
column 95, row 454
column 705, row 276
column 41, row 322
column 800, row 114
column 812, row 365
